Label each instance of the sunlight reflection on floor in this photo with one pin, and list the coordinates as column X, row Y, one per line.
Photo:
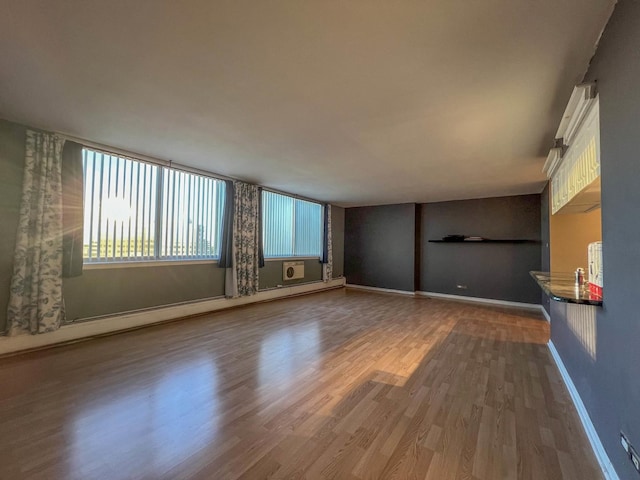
column 285, row 352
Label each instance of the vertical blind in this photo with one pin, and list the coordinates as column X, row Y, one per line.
column 192, row 215
column 138, row 211
column 291, row 227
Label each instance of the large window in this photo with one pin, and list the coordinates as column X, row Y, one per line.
column 291, row 227
column 139, row 211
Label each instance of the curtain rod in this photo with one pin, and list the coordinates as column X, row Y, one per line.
column 169, row 163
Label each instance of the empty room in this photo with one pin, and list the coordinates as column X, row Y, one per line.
column 314, row 239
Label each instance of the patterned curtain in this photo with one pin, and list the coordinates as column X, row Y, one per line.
column 242, row 278
column 327, row 251
column 35, row 302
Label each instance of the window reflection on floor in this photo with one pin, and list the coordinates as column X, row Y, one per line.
column 179, row 409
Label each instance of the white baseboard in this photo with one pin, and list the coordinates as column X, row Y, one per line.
column 447, row 296
column 546, row 315
column 125, row 321
column 489, row 301
column 601, row 455
column 377, row 289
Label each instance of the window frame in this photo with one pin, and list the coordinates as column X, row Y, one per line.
column 159, row 217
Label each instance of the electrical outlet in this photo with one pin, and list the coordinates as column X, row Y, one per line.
column 624, row 442
column 631, row 451
column 635, row 458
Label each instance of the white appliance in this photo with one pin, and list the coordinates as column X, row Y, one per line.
column 596, row 274
column 292, row 270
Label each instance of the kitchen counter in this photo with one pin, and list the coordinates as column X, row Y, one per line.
column 562, row 288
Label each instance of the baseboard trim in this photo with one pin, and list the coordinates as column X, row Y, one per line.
column 379, row 290
column 127, row 321
column 601, row 455
column 545, row 313
column 489, row 301
column 460, row 298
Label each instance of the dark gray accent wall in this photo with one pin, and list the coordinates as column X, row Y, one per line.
column 488, row 270
column 12, row 149
column 609, row 385
column 337, row 227
column 545, row 261
column 417, row 248
column 379, row 245
column 271, row 273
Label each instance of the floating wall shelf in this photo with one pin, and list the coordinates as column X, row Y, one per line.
column 516, row 240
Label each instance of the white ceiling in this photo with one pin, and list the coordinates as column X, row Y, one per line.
column 354, row 102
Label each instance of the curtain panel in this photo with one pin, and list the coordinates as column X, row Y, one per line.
column 226, row 247
column 242, row 278
column 260, row 227
column 72, row 209
column 327, row 247
column 35, row 301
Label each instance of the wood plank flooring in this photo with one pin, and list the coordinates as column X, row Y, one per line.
column 343, row 385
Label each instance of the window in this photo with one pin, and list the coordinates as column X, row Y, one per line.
column 138, row 211
column 291, row 227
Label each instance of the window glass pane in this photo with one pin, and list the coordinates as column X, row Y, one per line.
column 137, row 211
column 119, row 208
column 291, row 227
column 308, row 225
column 192, row 215
column 277, row 224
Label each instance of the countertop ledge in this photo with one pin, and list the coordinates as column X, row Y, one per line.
column 562, row 288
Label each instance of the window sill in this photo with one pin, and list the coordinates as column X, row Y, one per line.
column 146, row 263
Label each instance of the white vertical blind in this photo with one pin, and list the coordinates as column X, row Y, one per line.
column 308, row 226
column 277, row 224
column 192, row 215
column 291, row 227
column 138, row 211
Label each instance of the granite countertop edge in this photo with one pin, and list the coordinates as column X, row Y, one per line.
column 561, row 287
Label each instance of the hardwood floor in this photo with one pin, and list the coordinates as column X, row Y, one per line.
column 343, row 384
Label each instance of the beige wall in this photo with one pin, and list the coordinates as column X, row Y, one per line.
column 570, row 235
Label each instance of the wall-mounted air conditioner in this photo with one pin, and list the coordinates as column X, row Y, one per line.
column 292, row 270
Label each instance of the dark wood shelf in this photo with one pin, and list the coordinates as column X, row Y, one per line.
column 515, row 240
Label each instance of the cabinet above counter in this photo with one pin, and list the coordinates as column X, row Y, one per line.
column 562, row 288
column 573, row 165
